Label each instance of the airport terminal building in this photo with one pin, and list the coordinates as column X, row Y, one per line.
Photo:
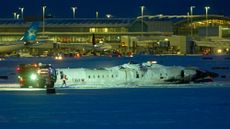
column 148, row 35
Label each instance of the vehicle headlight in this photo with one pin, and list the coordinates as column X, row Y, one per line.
column 33, row 76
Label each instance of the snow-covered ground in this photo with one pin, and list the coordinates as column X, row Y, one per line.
column 119, row 108
column 173, row 106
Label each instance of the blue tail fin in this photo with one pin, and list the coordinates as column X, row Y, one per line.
column 30, row 34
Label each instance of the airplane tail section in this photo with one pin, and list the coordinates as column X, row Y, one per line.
column 30, row 35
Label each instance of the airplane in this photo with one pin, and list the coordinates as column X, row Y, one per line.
column 28, row 39
column 148, row 73
column 100, row 46
column 93, row 46
column 97, row 47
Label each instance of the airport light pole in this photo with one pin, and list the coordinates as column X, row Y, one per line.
column 22, row 11
column 206, row 15
column 191, row 14
column 43, row 19
column 97, row 14
column 15, row 15
column 108, row 15
column 74, row 11
column 188, row 16
column 142, row 20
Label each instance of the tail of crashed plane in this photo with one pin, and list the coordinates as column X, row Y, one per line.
column 30, row 35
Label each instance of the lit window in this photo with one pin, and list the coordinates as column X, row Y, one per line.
column 105, row 30
column 92, row 30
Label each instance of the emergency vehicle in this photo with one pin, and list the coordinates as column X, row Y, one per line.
column 36, row 75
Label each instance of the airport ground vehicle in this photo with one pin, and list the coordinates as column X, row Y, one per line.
column 36, row 75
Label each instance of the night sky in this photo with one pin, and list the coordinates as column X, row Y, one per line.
column 117, row 8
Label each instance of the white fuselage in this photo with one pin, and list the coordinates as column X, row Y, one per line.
column 127, row 74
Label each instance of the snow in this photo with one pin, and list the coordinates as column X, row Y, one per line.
column 119, row 108
column 171, row 106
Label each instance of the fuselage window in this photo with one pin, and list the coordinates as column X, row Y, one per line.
column 98, row 76
column 137, row 75
column 161, row 76
column 112, row 76
column 89, row 76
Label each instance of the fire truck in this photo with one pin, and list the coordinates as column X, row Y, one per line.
column 36, row 75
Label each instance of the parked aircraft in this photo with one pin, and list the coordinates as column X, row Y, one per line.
column 93, row 46
column 29, row 38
